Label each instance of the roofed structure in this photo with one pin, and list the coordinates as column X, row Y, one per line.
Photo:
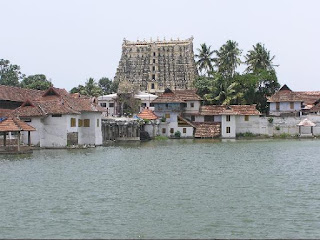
column 229, row 110
column 57, row 101
column 177, row 96
column 147, row 114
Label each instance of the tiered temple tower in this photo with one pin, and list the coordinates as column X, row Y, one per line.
column 157, row 65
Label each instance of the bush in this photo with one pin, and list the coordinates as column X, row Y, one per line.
column 161, row 138
column 270, row 120
column 246, row 134
column 277, row 128
column 177, row 134
column 163, row 119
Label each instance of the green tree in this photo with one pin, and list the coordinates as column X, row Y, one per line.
column 259, row 59
column 38, row 81
column 9, row 74
column 228, row 59
column 80, row 89
column 92, row 88
column 204, row 59
column 203, row 85
column 106, row 85
column 223, row 92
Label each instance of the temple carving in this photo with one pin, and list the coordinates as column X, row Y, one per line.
column 156, row 65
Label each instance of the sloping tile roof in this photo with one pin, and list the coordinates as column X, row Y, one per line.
column 187, row 95
column 315, row 108
column 207, row 130
column 306, row 123
column 229, row 110
column 285, row 94
column 168, row 98
column 57, row 101
column 14, row 125
column 5, row 112
column 17, row 94
column 147, row 114
column 177, row 96
column 309, row 97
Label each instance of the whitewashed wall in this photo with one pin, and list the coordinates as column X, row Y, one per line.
column 35, row 135
column 252, row 125
column 194, row 109
column 225, row 124
column 93, row 134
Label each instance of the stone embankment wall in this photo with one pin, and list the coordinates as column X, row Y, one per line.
column 285, row 125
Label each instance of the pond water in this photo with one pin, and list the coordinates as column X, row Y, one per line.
column 164, row 189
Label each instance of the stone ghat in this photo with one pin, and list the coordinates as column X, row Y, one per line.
column 121, row 129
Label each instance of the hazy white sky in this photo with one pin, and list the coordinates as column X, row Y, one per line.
column 70, row 41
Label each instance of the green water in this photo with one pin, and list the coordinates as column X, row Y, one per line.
column 164, row 189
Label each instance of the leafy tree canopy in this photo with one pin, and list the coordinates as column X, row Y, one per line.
column 10, row 74
column 38, row 81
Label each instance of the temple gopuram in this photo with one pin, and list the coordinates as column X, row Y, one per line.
column 156, row 65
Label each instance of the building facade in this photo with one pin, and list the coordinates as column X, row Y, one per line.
column 157, row 65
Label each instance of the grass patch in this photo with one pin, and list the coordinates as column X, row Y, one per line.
column 161, row 138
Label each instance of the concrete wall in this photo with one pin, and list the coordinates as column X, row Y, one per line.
column 93, row 133
column 252, row 125
column 284, row 107
column 194, row 109
column 225, row 124
column 35, row 135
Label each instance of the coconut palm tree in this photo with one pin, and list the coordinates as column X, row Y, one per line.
column 259, row 59
column 205, row 59
column 228, row 58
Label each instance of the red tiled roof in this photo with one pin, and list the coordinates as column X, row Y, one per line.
column 147, row 114
column 57, row 101
column 229, row 110
column 17, row 94
column 285, row 94
column 14, row 125
column 187, row 95
column 207, row 130
column 5, row 112
column 177, row 96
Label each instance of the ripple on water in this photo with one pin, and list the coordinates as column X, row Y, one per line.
column 167, row 189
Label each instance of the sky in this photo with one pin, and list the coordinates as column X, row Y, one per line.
column 72, row 40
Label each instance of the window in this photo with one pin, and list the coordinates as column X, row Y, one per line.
column 151, row 104
column 154, row 54
column 111, row 104
column 184, row 130
column 56, row 115
column 291, row 105
column 72, row 122
column 154, row 61
column 152, row 85
column 26, row 119
column 246, row 118
column 171, row 130
column 163, row 130
column 208, row 118
column 228, row 129
column 192, row 104
column 153, row 77
column 103, row 104
column 86, row 122
column 228, row 118
column 167, row 115
column 167, row 105
column 193, row 118
column 153, row 68
column 277, row 106
column 98, row 122
column 80, row 123
column 143, row 105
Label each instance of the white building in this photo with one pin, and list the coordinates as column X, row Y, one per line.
column 285, row 101
column 110, row 103
column 62, row 119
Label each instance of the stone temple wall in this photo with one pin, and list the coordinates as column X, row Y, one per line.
column 157, row 65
